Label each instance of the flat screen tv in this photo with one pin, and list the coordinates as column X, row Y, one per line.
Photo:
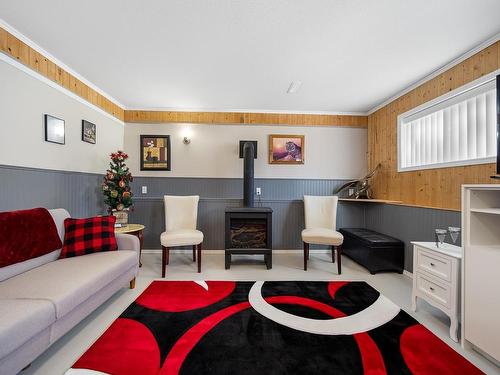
column 498, row 128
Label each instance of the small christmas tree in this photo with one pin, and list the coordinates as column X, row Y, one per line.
column 116, row 185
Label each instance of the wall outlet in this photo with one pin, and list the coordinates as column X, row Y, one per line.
column 258, row 191
column 144, row 190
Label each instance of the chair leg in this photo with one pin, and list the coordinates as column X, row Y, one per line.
column 199, row 258
column 164, row 259
column 306, row 255
column 333, row 254
column 194, row 253
column 339, row 259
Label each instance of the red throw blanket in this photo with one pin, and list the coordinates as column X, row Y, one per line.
column 26, row 234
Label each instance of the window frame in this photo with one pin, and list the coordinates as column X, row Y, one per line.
column 439, row 102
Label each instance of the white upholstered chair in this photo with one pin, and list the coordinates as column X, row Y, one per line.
column 320, row 219
column 181, row 214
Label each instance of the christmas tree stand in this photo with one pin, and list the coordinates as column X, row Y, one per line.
column 121, row 216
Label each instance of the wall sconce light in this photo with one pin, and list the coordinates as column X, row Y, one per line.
column 186, row 135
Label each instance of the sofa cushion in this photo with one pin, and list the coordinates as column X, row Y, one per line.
column 21, row 320
column 26, row 234
column 70, row 281
column 86, row 236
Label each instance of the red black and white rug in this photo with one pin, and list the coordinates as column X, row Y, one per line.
column 272, row 327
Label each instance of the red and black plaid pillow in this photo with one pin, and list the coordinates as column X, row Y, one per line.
column 86, row 236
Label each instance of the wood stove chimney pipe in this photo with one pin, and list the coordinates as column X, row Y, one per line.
column 248, row 184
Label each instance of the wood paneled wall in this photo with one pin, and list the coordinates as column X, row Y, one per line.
column 20, row 51
column 437, row 188
column 246, row 118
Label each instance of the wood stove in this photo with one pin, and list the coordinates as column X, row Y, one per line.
column 249, row 229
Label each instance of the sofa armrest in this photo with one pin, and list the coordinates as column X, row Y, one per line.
column 127, row 242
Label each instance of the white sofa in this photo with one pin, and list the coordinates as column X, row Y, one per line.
column 43, row 298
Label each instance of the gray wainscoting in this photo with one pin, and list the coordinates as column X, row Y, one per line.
column 284, row 196
column 288, row 220
column 80, row 194
column 409, row 224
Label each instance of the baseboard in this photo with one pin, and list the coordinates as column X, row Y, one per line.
column 220, row 251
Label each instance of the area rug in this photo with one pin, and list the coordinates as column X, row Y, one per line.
column 272, row 327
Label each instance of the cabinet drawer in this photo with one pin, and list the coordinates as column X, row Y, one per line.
column 440, row 293
column 435, row 265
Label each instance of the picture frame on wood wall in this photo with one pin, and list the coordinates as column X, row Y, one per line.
column 54, row 129
column 155, row 153
column 286, row 149
column 89, row 133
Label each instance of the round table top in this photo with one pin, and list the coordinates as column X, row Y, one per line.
column 129, row 228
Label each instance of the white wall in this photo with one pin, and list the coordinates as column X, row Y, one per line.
column 24, row 100
column 330, row 152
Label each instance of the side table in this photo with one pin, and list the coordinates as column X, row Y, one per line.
column 135, row 230
column 436, row 279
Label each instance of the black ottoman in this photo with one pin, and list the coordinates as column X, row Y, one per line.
column 374, row 251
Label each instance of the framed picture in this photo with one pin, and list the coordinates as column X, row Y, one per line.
column 54, row 129
column 286, row 149
column 88, row 132
column 242, row 143
column 155, row 153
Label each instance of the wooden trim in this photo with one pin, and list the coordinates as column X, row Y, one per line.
column 20, row 51
column 396, row 203
column 427, row 207
column 292, row 119
column 361, row 200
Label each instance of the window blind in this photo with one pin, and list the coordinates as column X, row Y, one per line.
column 458, row 129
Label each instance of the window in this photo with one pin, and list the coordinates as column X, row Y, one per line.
column 458, row 128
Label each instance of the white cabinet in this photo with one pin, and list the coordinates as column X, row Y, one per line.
column 436, row 279
column 481, row 268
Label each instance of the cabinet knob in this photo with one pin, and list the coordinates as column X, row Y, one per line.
column 431, row 288
column 432, row 264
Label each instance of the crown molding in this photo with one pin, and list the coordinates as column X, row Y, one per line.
column 433, row 74
column 12, row 30
column 232, row 110
column 495, row 38
column 9, row 60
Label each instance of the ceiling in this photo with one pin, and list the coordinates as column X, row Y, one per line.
column 241, row 55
